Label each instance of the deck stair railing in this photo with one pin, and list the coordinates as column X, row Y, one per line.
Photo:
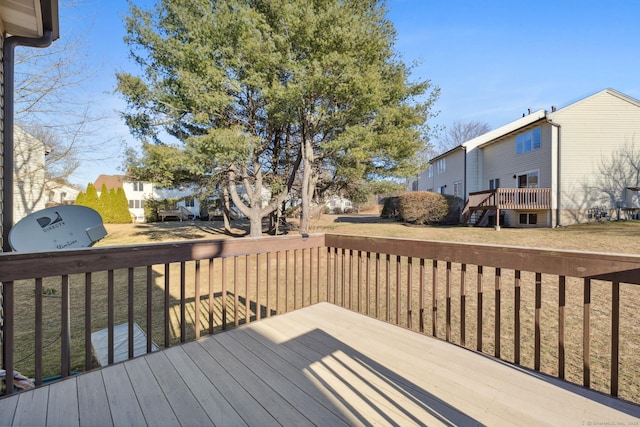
column 570, row 315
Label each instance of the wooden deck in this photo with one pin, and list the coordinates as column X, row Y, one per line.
column 321, row 365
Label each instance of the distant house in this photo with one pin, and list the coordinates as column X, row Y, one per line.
column 547, row 168
column 60, row 194
column 138, row 192
column 338, row 204
column 31, row 191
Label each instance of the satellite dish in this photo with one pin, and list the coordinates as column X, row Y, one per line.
column 55, row 228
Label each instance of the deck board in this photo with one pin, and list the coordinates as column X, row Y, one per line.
column 321, row 365
column 91, row 400
column 121, row 397
column 211, row 400
column 31, row 409
column 153, row 402
column 251, row 412
column 179, row 394
column 284, row 386
column 62, row 409
column 279, row 408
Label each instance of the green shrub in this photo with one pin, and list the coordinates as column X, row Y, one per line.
column 389, row 207
column 423, row 207
column 455, row 205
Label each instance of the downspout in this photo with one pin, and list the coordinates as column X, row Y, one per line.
column 464, row 176
column 558, row 192
column 8, row 58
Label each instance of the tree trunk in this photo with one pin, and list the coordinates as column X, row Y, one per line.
column 308, row 185
column 225, row 211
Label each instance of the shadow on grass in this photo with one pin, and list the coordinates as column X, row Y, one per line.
column 186, row 230
column 363, row 219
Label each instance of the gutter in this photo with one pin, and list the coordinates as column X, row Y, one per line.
column 8, row 120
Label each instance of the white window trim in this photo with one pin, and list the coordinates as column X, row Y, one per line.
column 519, row 174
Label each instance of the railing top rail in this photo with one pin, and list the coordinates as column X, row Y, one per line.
column 581, row 264
column 477, row 193
column 523, row 190
column 17, row 266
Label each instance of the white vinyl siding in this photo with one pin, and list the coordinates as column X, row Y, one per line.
column 453, row 173
column 29, row 176
column 591, row 130
column 501, row 161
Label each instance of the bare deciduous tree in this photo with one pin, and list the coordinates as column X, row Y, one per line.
column 461, row 132
column 53, row 103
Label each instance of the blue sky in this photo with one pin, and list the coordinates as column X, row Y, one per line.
column 492, row 59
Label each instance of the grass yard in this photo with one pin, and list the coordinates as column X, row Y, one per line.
column 618, row 237
column 610, row 236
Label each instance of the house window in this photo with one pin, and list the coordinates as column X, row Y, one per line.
column 528, row 141
column 441, row 166
column 137, row 186
column 528, row 219
column 430, row 172
column 190, row 202
column 528, row 180
column 457, row 189
column 130, row 204
column 494, row 184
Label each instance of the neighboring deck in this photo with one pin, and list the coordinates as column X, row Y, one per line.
column 321, row 365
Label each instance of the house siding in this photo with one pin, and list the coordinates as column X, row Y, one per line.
column 1, row 139
column 501, row 161
column 454, row 172
column 29, row 174
column 592, row 131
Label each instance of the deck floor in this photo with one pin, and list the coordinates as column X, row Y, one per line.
column 321, row 365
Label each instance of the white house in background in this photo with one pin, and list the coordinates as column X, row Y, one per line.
column 60, row 194
column 547, row 168
column 138, row 192
column 31, row 191
column 29, row 174
column 338, row 204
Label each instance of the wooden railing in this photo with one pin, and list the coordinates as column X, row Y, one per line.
column 572, row 315
column 524, row 198
column 510, row 198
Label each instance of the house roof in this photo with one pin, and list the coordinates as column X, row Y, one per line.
column 609, row 91
column 506, row 129
column 111, row 181
column 29, row 18
column 446, row 153
column 530, row 119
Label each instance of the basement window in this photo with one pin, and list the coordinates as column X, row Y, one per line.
column 528, row 219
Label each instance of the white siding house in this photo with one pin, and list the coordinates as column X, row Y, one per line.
column 60, row 194
column 138, row 192
column 29, row 174
column 549, row 168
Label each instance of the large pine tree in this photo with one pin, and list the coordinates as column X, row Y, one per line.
column 272, row 93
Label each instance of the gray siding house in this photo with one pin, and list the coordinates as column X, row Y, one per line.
column 548, row 168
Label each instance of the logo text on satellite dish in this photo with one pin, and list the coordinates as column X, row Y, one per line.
column 48, row 223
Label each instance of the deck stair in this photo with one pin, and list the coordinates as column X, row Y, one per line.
column 180, row 212
column 477, row 208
